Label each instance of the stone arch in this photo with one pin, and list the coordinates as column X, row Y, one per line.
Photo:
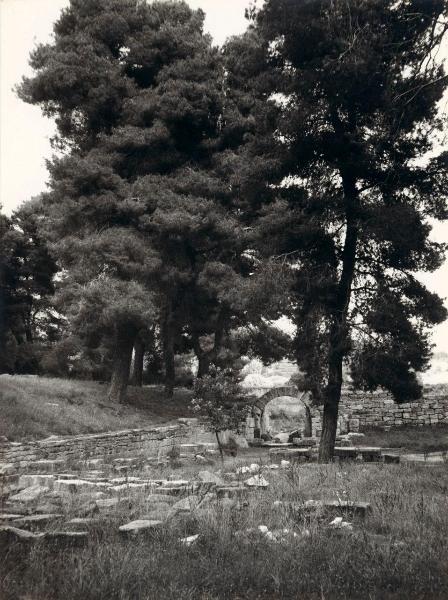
column 260, row 413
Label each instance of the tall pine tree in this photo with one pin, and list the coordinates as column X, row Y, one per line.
column 358, row 86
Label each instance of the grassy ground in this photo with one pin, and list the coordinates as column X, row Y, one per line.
column 34, row 407
column 417, row 439
column 398, row 552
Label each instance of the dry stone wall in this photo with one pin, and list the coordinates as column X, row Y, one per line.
column 151, row 442
column 360, row 410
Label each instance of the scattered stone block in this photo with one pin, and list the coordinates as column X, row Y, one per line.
column 82, row 522
column 37, row 522
column 339, row 523
column 30, row 494
column 104, row 504
column 121, row 480
column 291, row 454
column 187, row 504
column 12, row 535
column 257, row 481
column 124, row 487
column 6, row 469
column 160, row 499
column 203, row 459
column 26, row 481
column 176, row 483
column 189, row 540
column 6, row 517
column 75, row 486
column 139, row 526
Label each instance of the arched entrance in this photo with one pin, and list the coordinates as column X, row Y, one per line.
column 282, row 409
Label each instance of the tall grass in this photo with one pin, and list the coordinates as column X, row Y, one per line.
column 398, row 552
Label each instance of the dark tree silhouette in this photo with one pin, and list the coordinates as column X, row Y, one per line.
column 358, row 87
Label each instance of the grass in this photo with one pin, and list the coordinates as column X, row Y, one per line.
column 429, row 438
column 398, row 552
column 33, row 407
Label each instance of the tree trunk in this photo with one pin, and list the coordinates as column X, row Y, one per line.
column 168, row 352
column 329, row 425
column 203, row 364
column 139, row 354
column 203, row 357
column 339, row 330
column 124, row 343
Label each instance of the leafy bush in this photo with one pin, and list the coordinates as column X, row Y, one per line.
column 220, row 399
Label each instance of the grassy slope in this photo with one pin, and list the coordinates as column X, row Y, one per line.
column 34, row 407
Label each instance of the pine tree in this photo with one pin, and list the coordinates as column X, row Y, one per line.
column 137, row 93
column 358, row 87
column 26, row 280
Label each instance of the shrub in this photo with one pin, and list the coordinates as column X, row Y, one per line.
column 220, row 399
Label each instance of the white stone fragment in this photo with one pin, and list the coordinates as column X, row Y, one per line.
column 189, row 540
column 339, row 523
column 257, row 481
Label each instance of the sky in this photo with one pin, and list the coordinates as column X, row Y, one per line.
column 25, row 134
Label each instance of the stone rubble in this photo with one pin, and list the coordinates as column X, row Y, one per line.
column 37, row 500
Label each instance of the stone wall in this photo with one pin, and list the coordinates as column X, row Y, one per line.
column 360, row 410
column 150, row 442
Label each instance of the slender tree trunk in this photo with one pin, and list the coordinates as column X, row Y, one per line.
column 339, row 329
column 137, row 369
column 124, row 343
column 168, row 352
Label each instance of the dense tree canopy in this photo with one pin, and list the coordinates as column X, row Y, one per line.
column 201, row 193
column 142, row 194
